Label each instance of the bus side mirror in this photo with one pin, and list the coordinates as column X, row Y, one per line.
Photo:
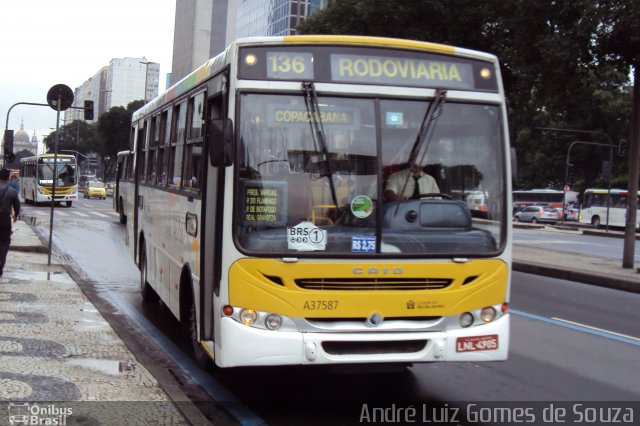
column 220, row 140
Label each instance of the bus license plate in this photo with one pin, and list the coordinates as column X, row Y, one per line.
column 477, row 343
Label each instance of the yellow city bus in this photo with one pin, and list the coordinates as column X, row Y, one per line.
column 258, row 210
column 37, row 179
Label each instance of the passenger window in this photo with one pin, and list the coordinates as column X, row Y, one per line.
column 177, row 144
column 193, row 150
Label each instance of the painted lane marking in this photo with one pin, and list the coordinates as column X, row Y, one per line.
column 579, row 327
column 602, row 330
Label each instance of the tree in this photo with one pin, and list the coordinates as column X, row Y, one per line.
column 23, row 153
column 113, row 129
column 77, row 136
column 620, row 35
column 554, row 74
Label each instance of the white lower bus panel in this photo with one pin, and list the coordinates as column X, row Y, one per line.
column 248, row 346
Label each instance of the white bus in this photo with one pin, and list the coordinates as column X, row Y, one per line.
column 124, row 186
column 37, row 179
column 544, row 197
column 595, row 207
column 258, row 214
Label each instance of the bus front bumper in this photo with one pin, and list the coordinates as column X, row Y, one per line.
column 247, row 346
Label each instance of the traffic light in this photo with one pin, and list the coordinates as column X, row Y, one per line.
column 8, row 142
column 88, row 110
column 569, row 174
column 622, row 148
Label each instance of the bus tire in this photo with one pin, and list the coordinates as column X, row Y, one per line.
column 69, row 203
column 190, row 326
column 123, row 218
column 595, row 222
column 146, row 291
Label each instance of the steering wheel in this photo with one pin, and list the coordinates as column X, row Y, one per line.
column 271, row 161
column 434, row 195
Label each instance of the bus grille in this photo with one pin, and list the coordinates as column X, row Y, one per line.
column 60, row 190
column 374, row 348
column 373, row 284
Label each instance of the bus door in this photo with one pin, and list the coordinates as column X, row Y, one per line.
column 212, row 213
column 139, row 145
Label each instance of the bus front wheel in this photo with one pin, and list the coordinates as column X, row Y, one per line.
column 199, row 354
column 595, row 222
column 123, row 218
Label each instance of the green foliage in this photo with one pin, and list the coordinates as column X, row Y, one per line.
column 564, row 64
column 106, row 137
column 19, row 155
column 76, row 136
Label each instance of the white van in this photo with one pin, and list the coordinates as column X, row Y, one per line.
column 477, row 203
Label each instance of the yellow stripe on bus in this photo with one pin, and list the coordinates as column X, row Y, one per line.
column 371, row 41
column 270, row 285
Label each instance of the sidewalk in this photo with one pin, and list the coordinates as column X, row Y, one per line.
column 58, row 351
column 604, row 272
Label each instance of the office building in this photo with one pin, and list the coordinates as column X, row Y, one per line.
column 204, row 28
column 123, row 81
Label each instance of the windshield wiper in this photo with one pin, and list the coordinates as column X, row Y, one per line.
column 317, row 133
column 425, row 127
column 424, row 133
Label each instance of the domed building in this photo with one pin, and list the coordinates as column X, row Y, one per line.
column 22, row 140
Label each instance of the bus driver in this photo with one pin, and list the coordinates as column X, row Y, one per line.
column 414, row 181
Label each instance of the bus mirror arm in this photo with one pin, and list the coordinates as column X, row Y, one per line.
column 220, row 141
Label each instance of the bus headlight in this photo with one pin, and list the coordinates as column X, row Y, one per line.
column 487, row 314
column 466, row 319
column 273, row 321
column 248, row 316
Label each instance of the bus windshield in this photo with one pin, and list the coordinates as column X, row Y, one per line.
column 66, row 174
column 315, row 181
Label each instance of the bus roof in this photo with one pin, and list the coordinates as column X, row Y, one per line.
column 217, row 63
column 604, row 191
column 36, row 157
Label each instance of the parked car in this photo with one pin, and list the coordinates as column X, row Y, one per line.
column 536, row 214
column 95, row 189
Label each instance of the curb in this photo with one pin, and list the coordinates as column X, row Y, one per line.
column 30, row 249
column 582, row 277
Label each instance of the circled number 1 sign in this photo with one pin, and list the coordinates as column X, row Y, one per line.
column 305, row 236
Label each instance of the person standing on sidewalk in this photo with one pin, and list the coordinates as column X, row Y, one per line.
column 8, row 201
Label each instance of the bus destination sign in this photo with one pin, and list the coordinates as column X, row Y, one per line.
column 264, row 203
column 401, row 71
column 348, row 64
column 59, row 160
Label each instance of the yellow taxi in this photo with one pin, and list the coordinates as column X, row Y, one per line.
column 95, row 189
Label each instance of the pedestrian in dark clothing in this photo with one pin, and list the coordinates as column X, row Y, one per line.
column 13, row 182
column 9, row 202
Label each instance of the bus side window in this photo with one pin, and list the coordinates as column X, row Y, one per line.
column 177, row 144
column 193, row 158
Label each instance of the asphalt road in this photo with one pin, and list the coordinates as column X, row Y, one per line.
column 569, row 342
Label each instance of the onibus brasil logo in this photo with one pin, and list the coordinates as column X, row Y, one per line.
column 25, row 413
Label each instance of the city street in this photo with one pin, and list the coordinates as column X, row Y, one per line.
column 561, row 333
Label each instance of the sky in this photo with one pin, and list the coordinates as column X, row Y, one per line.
column 49, row 42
